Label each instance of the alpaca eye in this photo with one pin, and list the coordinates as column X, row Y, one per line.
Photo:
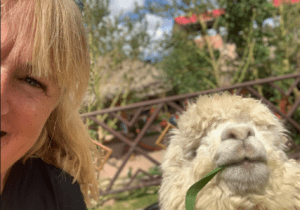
column 192, row 154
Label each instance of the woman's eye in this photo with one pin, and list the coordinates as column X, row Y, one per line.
column 34, row 83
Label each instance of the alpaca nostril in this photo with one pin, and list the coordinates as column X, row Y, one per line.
column 249, row 134
column 237, row 132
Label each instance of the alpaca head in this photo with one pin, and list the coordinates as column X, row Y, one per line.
column 224, row 130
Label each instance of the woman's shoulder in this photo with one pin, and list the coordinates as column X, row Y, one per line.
column 42, row 186
column 54, row 173
column 62, row 183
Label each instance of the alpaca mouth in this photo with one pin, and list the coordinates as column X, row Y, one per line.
column 245, row 162
column 3, row 133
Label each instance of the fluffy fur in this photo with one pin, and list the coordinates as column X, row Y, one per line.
column 244, row 135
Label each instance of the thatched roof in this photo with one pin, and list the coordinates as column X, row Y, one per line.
column 136, row 76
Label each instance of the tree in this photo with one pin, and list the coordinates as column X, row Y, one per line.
column 112, row 41
column 194, row 69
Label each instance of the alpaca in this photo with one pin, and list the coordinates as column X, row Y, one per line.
column 241, row 134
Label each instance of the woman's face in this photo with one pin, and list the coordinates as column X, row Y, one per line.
column 26, row 102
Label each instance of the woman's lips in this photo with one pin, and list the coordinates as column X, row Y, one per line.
column 4, row 141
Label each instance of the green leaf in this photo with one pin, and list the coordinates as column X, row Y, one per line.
column 192, row 192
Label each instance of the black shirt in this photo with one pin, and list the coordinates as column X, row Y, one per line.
column 38, row 185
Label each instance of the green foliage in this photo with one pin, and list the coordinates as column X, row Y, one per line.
column 137, row 193
column 155, row 171
column 113, row 40
column 240, row 15
column 243, row 21
column 185, row 68
column 135, row 203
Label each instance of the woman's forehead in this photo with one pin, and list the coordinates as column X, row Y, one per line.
column 6, row 42
column 16, row 36
column 15, row 49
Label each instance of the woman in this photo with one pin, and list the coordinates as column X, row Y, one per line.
column 45, row 148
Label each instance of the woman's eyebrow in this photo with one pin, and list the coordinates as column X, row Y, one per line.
column 27, row 67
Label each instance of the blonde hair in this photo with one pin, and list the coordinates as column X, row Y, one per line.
column 59, row 52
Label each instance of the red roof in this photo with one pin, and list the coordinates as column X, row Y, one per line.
column 206, row 16
column 182, row 20
column 276, row 3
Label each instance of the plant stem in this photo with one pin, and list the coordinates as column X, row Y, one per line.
column 247, row 55
column 214, row 63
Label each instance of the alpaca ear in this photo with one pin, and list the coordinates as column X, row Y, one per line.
column 287, row 142
column 282, row 142
column 285, row 139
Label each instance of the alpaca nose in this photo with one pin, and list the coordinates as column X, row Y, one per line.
column 237, row 132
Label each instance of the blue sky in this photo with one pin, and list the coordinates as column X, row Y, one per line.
column 165, row 24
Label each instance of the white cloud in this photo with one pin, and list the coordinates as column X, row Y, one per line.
column 153, row 20
column 273, row 22
column 165, row 26
column 118, row 6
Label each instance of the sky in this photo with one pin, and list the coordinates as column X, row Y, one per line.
column 117, row 6
column 165, row 25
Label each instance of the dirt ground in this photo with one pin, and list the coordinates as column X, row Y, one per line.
column 135, row 162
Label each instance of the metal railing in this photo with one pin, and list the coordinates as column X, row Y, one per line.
column 177, row 104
